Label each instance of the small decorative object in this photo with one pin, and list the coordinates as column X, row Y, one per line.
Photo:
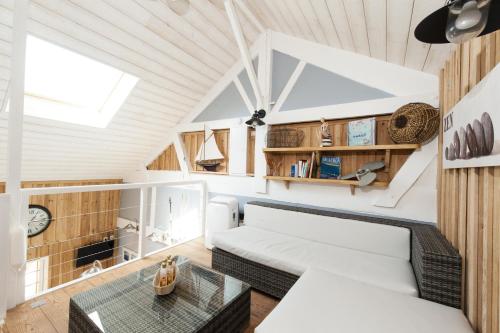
column 361, row 132
column 256, row 119
column 326, row 136
column 365, row 174
column 209, row 155
column 414, row 123
column 459, row 21
column 39, row 218
column 274, row 164
column 330, row 167
column 166, row 277
column 469, row 128
column 96, row 268
column 284, row 138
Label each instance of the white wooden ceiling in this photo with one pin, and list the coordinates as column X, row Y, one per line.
column 381, row 29
column 178, row 59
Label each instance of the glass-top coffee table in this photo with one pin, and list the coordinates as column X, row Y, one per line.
column 203, row 301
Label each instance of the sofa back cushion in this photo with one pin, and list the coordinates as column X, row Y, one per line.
column 357, row 235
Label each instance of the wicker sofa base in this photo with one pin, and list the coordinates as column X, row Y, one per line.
column 261, row 277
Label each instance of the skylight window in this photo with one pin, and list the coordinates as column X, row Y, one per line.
column 66, row 86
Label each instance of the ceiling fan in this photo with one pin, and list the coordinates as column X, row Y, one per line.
column 459, row 21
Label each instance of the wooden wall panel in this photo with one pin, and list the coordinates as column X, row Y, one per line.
column 251, row 151
column 167, row 160
column 78, row 219
column 469, row 198
column 193, row 141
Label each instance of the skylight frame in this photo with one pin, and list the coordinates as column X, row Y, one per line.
column 57, row 108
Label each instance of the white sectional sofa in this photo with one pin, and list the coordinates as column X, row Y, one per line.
column 323, row 302
column 292, row 242
column 344, row 272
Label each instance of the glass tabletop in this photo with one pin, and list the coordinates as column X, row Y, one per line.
column 130, row 304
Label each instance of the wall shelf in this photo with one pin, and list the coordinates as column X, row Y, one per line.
column 386, row 150
column 352, row 183
column 342, row 148
column 280, row 160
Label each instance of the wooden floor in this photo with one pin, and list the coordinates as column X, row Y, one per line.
column 53, row 316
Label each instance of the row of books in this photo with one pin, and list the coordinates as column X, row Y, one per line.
column 330, row 168
column 303, row 168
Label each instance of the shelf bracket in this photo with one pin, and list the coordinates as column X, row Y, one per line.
column 387, row 160
column 353, row 189
column 287, row 184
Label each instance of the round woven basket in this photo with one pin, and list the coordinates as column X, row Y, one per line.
column 414, row 123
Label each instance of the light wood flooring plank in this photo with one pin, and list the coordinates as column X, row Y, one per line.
column 53, row 316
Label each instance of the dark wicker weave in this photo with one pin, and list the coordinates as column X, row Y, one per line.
column 202, row 301
column 261, row 277
column 414, row 123
column 436, row 264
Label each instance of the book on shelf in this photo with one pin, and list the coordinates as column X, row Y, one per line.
column 330, row 167
column 301, row 169
column 361, row 132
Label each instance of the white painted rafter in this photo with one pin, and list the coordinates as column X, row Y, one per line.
column 250, row 16
column 244, row 51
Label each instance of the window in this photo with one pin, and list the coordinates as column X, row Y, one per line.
column 37, row 277
column 66, row 86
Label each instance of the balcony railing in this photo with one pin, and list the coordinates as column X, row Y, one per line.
column 76, row 231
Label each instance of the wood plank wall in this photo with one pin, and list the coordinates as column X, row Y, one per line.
column 250, row 151
column 469, row 199
column 351, row 161
column 167, row 160
column 192, row 143
column 78, row 219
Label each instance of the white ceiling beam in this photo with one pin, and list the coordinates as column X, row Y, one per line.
column 250, row 16
column 245, row 53
column 14, row 156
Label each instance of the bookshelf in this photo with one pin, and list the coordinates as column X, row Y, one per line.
column 353, row 157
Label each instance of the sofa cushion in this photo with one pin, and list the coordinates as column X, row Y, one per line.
column 323, row 302
column 364, row 236
column 295, row 255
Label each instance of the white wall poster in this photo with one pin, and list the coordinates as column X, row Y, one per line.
column 472, row 127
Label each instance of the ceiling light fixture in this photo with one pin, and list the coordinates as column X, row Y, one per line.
column 180, row 7
column 256, row 119
column 459, row 21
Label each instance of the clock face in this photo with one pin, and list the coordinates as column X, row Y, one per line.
column 39, row 219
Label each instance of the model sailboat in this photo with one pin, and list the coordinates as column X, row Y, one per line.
column 209, row 155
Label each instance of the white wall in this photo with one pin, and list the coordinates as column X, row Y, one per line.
column 419, row 203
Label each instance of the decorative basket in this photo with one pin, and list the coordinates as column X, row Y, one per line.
column 165, row 290
column 414, row 123
column 284, row 138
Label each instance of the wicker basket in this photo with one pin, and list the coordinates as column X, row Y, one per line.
column 284, row 138
column 165, row 290
column 414, row 123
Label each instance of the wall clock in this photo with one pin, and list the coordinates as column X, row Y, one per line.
column 39, row 218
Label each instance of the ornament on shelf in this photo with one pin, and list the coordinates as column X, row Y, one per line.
column 326, row 135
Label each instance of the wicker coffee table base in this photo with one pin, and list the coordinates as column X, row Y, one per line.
column 234, row 318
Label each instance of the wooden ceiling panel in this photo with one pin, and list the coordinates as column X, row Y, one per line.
column 179, row 59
